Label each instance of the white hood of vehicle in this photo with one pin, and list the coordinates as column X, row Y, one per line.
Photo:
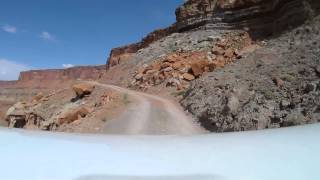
column 279, row 154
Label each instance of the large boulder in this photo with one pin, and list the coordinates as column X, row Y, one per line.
column 16, row 115
column 83, row 89
column 73, row 115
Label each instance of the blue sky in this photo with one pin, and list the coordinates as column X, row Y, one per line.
column 41, row 34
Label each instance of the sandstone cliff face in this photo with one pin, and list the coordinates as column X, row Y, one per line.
column 121, row 54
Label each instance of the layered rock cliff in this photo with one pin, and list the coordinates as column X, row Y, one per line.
column 52, row 77
column 85, row 72
column 4, row 84
column 259, row 17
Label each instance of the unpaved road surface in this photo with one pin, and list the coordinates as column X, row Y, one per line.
column 150, row 115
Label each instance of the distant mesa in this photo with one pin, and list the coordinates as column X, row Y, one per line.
column 53, row 77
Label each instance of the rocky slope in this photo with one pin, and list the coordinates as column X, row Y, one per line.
column 275, row 86
column 273, row 81
column 258, row 17
column 122, row 54
column 32, row 82
column 82, row 107
column 226, row 60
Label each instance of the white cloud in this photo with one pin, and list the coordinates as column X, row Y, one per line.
column 10, row 70
column 67, row 65
column 9, row 29
column 47, row 36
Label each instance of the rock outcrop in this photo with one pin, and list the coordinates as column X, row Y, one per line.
column 259, row 17
column 277, row 85
column 73, row 115
column 122, row 54
column 83, row 89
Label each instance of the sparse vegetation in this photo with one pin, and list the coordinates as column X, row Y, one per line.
column 104, row 119
column 288, row 77
column 178, row 93
column 125, row 99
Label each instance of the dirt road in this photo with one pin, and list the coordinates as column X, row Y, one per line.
column 151, row 115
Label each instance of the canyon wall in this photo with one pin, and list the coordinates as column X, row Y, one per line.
column 259, row 17
column 85, row 72
column 4, row 84
column 54, row 77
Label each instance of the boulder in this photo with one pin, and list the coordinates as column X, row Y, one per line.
column 229, row 53
column 73, row 115
column 279, row 82
column 197, row 67
column 156, row 66
column 177, row 66
column 16, row 115
column 83, row 89
column 217, row 50
column 38, row 97
column 138, row 77
column 188, row 77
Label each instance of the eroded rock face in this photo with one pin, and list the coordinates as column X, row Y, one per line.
column 275, row 86
column 121, row 54
column 260, row 17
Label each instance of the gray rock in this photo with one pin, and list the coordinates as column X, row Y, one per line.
column 216, row 101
